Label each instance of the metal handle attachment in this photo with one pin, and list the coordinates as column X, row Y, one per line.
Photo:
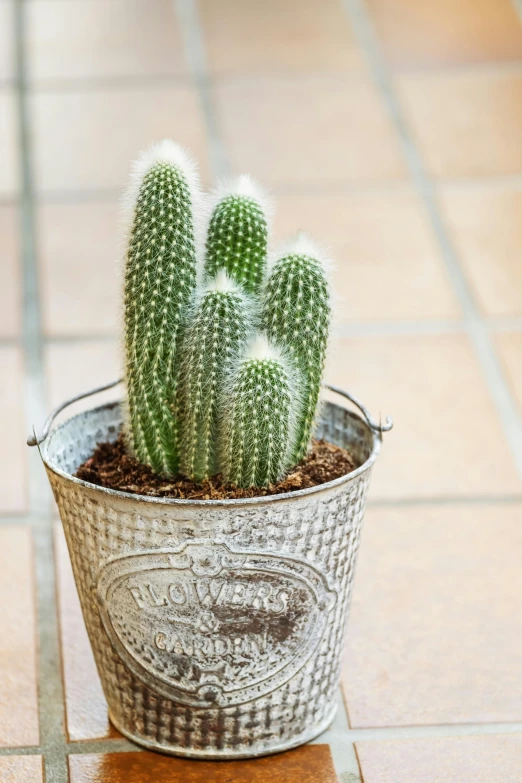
column 35, row 440
column 380, row 428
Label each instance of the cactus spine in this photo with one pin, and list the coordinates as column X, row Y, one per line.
column 219, row 325
column 160, row 276
column 296, row 315
column 258, row 425
column 238, row 233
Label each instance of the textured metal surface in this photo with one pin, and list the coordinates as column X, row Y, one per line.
column 217, row 627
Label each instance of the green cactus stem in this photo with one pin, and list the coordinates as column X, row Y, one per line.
column 261, row 402
column 220, row 323
column 238, row 233
column 296, row 315
column 160, row 277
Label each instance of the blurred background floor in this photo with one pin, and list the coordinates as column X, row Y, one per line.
column 390, row 130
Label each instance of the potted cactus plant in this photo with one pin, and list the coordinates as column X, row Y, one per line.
column 216, row 624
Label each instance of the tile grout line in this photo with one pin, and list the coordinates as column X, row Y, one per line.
column 377, row 733
column 50, row 693
column 101, row 746
column 318, row 188
column 341, row 747
column 477, row 329
column 356, row 328
column 187, row 13
column 10, row 342
column 444, row 500
column 24, row 750
column 131, row 81
column 432, row 731
column 127, row 82
column 517, row 6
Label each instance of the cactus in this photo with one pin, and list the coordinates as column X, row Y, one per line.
column 237, row 234
column 219, row 325
column 225, row 377
column 296, row 314
column 160, row 276
column 260, row 404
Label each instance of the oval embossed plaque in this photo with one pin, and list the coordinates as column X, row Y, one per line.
column 205, row 625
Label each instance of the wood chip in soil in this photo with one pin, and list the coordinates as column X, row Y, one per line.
column 110, row 466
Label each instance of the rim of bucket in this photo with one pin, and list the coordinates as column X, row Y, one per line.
column 233, row 502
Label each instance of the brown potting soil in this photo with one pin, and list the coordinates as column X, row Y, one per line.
column 110, row 466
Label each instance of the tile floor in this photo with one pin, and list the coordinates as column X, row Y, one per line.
column 391, row 129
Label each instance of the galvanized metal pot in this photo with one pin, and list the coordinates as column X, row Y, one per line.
column 217, row 626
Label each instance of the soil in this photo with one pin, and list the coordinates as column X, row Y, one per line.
column 110, row 466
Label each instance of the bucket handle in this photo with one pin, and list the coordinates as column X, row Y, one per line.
column 373, row 425
column 36, row 440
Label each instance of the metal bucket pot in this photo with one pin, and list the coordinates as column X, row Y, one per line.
column 217, row 626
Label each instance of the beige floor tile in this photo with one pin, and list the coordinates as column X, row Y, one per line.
column 423, row 33
column 91, row 39
column 21, row 769
column 85, row 140
column 308, row 130
column 18, row 696
column 73, row 368
column 10, row 293
column 447, row 438
column 434, row 630
column 387, row 264
column 78, row 251
column 273, row 37
column 510, row 348
column 7, row 48
column 496, row 759
column 13, row 451
column 85, row 703
column 466, row 123
column 486, row 229
column 9, row 173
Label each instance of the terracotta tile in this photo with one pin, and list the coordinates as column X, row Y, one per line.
column 9, row 272
column 466, row 124
column 393, row 272
column 422, row 33
column 18, row 694
column 72, row 368
column 8, row 144
column 308, row 764
column 91, row 39
column 85, row 703
column 434, row 389
column 434, row 632
column 78, row 251
column 485, row 227
column 270, row 37
column 510, row 349
column 273, row 133
column 494, row 759
column 13, row 451
column 86, row 140
column 7, row 49
column 21, row 769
